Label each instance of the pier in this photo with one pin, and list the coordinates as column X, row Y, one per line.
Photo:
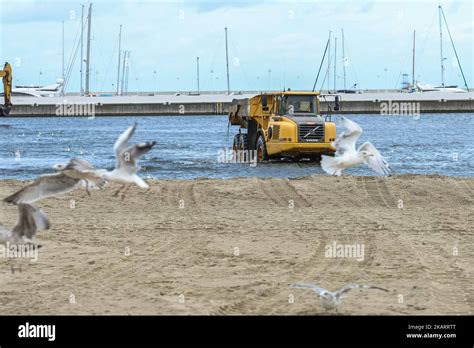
column 218, row 103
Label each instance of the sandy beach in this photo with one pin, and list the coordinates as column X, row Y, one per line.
column 218, row 247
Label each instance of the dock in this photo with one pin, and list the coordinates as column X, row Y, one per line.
column 218, row 103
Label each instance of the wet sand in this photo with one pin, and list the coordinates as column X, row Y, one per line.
column 234, row 247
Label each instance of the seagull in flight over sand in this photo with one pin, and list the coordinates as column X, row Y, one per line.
column 329, row 299
column 67, row 178
column 30, row 221
column 127, row 155
column 347, row 156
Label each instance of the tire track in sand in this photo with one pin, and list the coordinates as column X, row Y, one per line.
column 436, row 269
column 180, row 203
column 180, row 194
column 266, row 298
column 281, row 192
column 464, row 188
column 257, row 300
column 376, row 191
column 457, row 274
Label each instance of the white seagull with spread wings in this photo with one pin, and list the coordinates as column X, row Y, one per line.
column 329, row 299
column 30, row 221
column 347, row 156
column 69, row 177
column 126, row 169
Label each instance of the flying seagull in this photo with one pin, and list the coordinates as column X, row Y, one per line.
column 31, row 219
column 331, row 300
column 347, row 156
column 69, row 176
column 127, row 155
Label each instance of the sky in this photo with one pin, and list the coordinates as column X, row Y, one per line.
column 272, row 44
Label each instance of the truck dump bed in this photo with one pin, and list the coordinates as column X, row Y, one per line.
column 239, row 112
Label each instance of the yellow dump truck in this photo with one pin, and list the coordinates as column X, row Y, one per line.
column 282, row 124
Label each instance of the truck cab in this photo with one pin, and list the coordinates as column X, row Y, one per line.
column 284, row 124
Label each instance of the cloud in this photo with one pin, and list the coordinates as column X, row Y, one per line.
column 367, row 6
column 212, row 5
column 287, row 37
column 27, row 11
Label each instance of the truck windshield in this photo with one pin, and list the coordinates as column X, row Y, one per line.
column 294, row 104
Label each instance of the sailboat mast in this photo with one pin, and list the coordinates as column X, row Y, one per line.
column 413, row 61
column 88, row 53
column 335, row 62
column 124, row 64
column 197, row 66
column 454, row 48
column 127, row 70
column 118, row 65
column 320, row 66
column 329, row 62
column 343, row 59
column 441, row 46
column 82, row 47
column 227, row 61
column 62, row 73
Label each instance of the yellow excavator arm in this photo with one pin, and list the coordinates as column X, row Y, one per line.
column 6, row 75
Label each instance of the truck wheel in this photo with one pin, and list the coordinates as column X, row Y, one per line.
column 235, row 146
column 315, row 158
column 243, row 147
column 243, row 142
column 262, row 154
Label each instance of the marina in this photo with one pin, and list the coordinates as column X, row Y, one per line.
column 414, row 97
column 236, row 158
column 218, row 103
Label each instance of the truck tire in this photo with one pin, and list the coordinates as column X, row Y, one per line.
column 262, row 154
column 315, row 158
column 235, row 145
column 244, row 142
column 243, row 147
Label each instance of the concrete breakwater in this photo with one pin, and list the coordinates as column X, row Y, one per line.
column 389, row 103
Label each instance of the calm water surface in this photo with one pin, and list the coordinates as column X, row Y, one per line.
column 189, row 146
